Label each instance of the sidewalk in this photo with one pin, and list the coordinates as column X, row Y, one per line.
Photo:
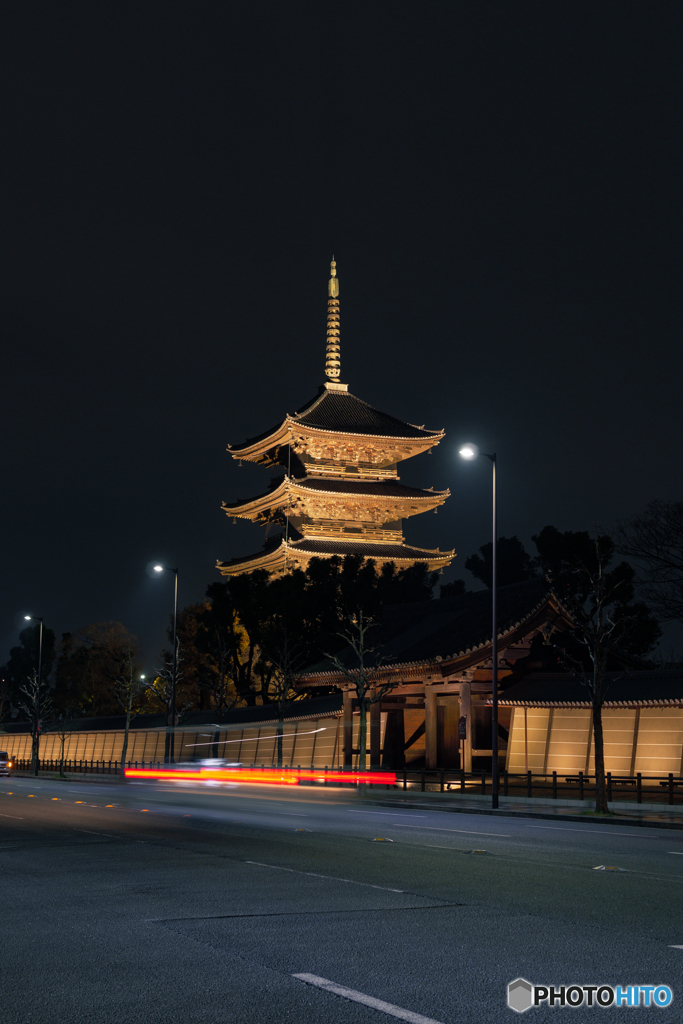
column 625, row 813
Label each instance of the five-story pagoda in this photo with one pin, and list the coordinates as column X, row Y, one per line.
column 340, row 492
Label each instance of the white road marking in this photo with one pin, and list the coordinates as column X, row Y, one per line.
column 596, row 831
column 314, row 874
column 675, row 947
column 360, row 997
column 467, row 831
column 392, row 814
column 675, row 853
column 95, row 833
column 12, row 816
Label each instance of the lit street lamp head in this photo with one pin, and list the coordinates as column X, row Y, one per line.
column 468, row 451
column 158, row 568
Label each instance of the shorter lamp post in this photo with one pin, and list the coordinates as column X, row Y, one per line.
column 170, row 753
column 469, row 452
column 37, row 618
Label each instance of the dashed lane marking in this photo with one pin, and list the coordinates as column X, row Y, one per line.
column 391, row 814
column 329, row 878
column 465, row 831
column 88, row 833
column 11, row 816
column 595, row 831
column 360, row 997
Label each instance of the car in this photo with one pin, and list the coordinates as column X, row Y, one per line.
column 5, row 762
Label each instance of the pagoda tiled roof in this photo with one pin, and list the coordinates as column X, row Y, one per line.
column 324, row 548
column 343, row 413
column 390, row 488
column 371, row 488
column 368, row 549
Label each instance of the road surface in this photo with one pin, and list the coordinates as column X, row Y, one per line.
column 136, row 904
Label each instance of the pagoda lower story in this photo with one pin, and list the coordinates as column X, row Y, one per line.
column 338, row 491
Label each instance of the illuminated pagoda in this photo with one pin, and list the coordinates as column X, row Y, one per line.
column 340, row 492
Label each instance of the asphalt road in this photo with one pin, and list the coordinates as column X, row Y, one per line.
column 136, row 904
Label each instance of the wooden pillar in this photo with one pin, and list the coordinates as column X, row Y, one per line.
column 466, row 712
column 348, row 728
column 375, row 731
column 634, row 750
column 431, row 753
column 551, row 716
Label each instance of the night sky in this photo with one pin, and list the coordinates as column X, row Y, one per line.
column 500, row 184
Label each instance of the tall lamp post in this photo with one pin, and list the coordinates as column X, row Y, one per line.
column 470, row 451
column 38, row 618
column 170, row 727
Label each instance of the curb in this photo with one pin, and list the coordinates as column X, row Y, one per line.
column 505, row 813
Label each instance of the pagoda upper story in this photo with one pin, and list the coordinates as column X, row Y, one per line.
column 339, row 492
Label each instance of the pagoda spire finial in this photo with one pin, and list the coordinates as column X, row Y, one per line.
column 333, row 353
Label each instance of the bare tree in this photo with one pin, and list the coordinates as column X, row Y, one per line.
column 35, row 703
column 282, row 659
column 5, row 698
column 218, row 683
column 62, row 725
column 363, row 672
column 600, row 629
column 655, row 540
column 128, row 691
column 159, row 694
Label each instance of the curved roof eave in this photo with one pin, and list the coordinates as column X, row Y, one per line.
column 428, row 435
column 462, row 655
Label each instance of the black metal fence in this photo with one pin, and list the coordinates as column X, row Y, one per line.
column 664, row 789
column 73, row 767
column 638, row 788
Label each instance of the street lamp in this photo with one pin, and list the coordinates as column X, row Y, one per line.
column 469, row 452
column 38, row 618
column 170, row 728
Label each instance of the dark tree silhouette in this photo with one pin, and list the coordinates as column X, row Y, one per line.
column 514, row 563
column 655, row 540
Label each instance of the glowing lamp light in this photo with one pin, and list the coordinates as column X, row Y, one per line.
column 468, row 451
column 268, row 777
column 158, row 568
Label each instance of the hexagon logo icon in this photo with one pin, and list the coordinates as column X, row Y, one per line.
column 520, row 995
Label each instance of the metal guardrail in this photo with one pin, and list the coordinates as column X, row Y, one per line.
column 580, row 785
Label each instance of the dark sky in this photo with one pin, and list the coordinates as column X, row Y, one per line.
column 499, row 182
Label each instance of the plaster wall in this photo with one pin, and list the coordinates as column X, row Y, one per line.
column 645, row 740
